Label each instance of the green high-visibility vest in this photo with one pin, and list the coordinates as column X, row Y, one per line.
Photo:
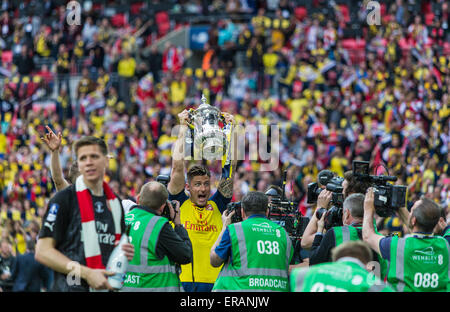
column 261, row 253
column 419, row 263
column 345, row 275
column 446, row 233
column 347, row 233
column 146, row 272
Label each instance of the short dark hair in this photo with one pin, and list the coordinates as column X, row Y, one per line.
column 153, row 195
column 255, row 203
column 354, row 185
column 355, row 249
column 197, row 170
column 427, row 214
column 90, row 140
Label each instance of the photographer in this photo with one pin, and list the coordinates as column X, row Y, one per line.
column 160, row 246
column 350, row 185
column 256, row 251
column 419, row 261
column 347, row 272
column 353, row 212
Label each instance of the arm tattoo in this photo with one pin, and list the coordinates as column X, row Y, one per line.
column 226, row 187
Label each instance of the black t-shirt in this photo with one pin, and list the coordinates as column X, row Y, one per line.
column 104, row 224
column 62, row 222
column 322, row 245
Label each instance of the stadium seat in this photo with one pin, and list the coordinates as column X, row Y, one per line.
column 345, row 12
column 136, row 7
column 429, row 17
column 300, row 13
column 118, row 20
column 7, row 57
column 447, row 48
column 163, row 22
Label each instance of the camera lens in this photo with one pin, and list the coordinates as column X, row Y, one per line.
column 320, row 212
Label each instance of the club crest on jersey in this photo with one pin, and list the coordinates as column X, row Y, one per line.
column 98, row 207
column 51, row 217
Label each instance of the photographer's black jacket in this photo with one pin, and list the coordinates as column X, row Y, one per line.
column 321, row 248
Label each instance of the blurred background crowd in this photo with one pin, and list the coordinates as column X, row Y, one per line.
column 338, row 88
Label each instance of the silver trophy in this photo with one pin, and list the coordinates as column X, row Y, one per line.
column 209, row 138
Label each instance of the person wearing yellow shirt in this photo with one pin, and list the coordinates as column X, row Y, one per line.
column 270, row 61
column 277, row 39
column 338, row 163
column 297, row 106
column 126, row 69
column 41, row 45
column 178, row 91
column 266, row 103
column 200, row 212
column 126, row 66
column 19, row 237
column 2, row 144
column 165, row 142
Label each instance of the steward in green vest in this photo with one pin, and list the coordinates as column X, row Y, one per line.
column 347, row 272
column 418, row 261
column 159, row 248
column 352, row 216
column 256, row 251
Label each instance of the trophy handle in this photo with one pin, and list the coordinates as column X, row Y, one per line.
column 222, row 118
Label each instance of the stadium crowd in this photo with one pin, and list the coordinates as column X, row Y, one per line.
column 338, row 88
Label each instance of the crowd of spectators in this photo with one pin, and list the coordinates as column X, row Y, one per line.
column 338, row 89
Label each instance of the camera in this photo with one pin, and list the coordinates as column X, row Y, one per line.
column 387, row 197
column 283, row 211
column 333, row 184
column 164, row 180
column 333, row 216
column 236, row 207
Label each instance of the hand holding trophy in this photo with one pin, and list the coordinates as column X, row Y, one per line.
column 210, row 141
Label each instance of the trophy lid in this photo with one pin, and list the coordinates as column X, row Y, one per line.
column 203, row 99
column 206, row 106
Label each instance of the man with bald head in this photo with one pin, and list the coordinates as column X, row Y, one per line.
column 161, row 247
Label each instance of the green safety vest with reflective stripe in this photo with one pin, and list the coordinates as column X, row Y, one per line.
column 345, row 275
column 261, row 253
column 446, row 233
column 347, row 233
column 146, row 272
column 419, row 263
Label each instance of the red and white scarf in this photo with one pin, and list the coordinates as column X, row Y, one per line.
column 89, row 236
